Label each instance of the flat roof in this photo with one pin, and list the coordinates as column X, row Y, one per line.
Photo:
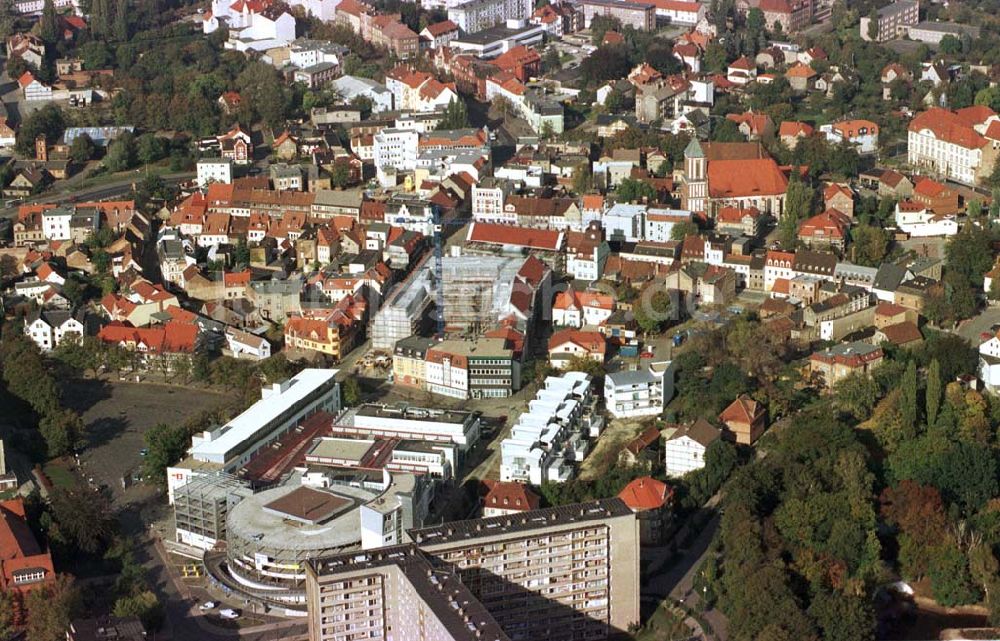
column 308, row 505
column 406, row 412
column 269, row 408
column 534, row 519
column 345, row 448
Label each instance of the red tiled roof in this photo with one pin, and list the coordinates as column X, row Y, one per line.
column 592, row 342
column 902, row 333
column 928, row 187
column 646, row 493
column 745, row 178
column 831, row 224
column 19, row 550
column 744, row 410
column 735, row 215
column 508, row 495
column 951, row 126
column 494, row 234
column 889, row 309
column 801, row 71
column 644, row 440
column 833, row 189
column 790, row 128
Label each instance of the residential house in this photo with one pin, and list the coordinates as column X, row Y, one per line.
column 791, row 132
column 835, row 363
column 936, row 197
column 642, row 392
column 862, row 134
column 745, row 419
column 828, row 229
column 801, row 77
column 647, row 497
column 568, row 344
column 839, row 197
column 684, row 451
column 508, row 497
column 959, row 145
column 578, row 309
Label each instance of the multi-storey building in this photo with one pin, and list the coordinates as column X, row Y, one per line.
column 478, row 15
column 553, row 433
column 960, row 145
column 643, row 392
column 560, row 574
column 892, row 21
column 485, row 368
column 488, row 197
column 415, row 423
column 640, row 15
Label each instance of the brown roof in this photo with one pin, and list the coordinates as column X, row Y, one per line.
column 508, row 495
column 644, row 440
column 307, row 504
column 902, row 333
column 744, row 410
column 701, row 431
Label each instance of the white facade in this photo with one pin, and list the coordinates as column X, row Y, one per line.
column 659, row 223
column 683, row 455
column 681, row 11
column 989, row 364
column 625, row 222
column 923, row 223
column 865, row 143
column 215, row 170
column 553, row 433
column 56, row 224
column 641, row 392
column 488, row 201
column 351, row 87
column 48, row 330
column 477, row 15
column 281, row 408
column 395, row 150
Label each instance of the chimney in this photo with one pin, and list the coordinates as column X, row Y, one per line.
column 41, row 149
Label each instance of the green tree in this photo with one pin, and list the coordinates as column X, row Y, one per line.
column 82, row 149
column 631, row 190
column 680, row 231
column 84, row 518
column 150, row 149
column 600, row 25
column 950, row 45
column 727, row 131
column 908, row 402
column 48, row 25
column 989, row 97
column 583, row 179
column 456, row 115
column 856, row 394
column 842, row 617
column 350, row 391
column 870, row 244
column 652, row 310
column 873, row 25
column 122, row 153
column 62, row 431
column 951, row 582
column 6, row 614
column 933, row 392
column 51, row 608
column 551, row 61
column 798, row 205
column 120, row 25
column 340, row 175
column 47, row 121
column 166, row 445
column 715, row 58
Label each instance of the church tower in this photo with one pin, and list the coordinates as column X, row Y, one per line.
column 694, row 193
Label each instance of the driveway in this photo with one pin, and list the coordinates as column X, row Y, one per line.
column 971, row 329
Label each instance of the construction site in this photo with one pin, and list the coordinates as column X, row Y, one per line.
column 473, row 295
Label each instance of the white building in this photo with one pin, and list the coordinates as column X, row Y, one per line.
column 624, row 222
column 989, row 364
column 411, row 423
column 282, row 407
column 960, row 145
column 684, row 451
column 643, row 392
column 553, row 433
column 351, row 87
column 680, row 11
column 479, row 15
column 247, row 346
column 395, row 151
column 215, row 170
column 916, row 220
column 48, row 327
column 862, row 134
column 56, row 223
column 488, row 198
column 659, row 223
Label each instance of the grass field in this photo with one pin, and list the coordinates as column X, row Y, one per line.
column 60, row 474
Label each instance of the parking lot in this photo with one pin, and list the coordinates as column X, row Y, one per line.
column 117, row 415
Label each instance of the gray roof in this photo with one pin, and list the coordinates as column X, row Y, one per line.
column 333, row 198
column 631, row 377
column 701, row 431
column 889, row 277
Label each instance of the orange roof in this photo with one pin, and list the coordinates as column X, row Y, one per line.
column 889, row 309
column 441, row 28
column 494, row 234
column 830, row 224
column 833, row 189
column 613, row 38
column 801, row 71
column 852, row 128
column 174, row 337
column 756, row 121
column 19, row 550
column 646, row 493
column 682, row 6
column 955, row 127
column 508, row 495
column 745, row 178
column 26, row 79
column 593, row 201
column 735, row 215
column 790, row 128
column 928, row 187
column 780, row 286
column 742, row 63
column 571, row 299
column 592, row 342
column 744, row 410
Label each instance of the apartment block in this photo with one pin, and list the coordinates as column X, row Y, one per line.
column 478, row 15
column 643, row 392
column 640, row 15
column 892, row 20
column 562, row 574
column 554, row 433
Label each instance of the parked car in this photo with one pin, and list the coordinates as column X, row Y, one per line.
column 229, row 613
column 208, row 605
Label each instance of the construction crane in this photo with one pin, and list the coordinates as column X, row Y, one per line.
column 439, row 238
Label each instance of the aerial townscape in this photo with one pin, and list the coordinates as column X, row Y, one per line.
column 499, row 320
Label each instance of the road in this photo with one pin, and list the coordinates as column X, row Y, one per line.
column 971, row 329
column 677, row 582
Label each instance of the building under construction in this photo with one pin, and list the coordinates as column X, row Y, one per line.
column 477, row 294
